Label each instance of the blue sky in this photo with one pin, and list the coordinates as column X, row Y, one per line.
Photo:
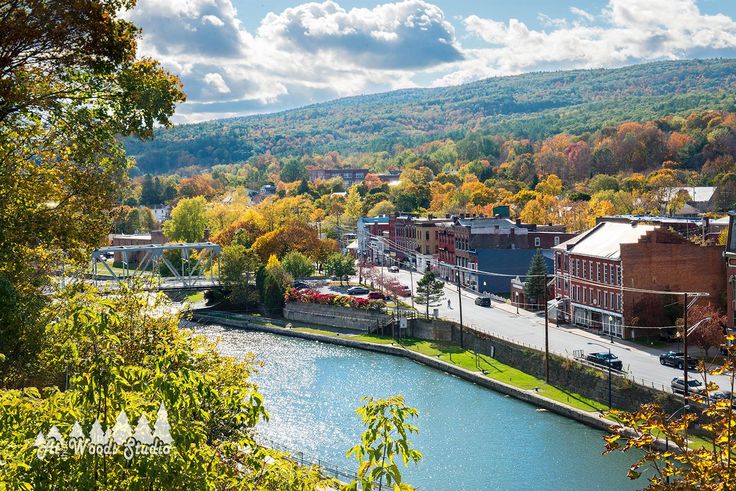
column 238, row 57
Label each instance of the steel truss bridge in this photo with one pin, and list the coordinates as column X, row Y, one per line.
column 159, row 266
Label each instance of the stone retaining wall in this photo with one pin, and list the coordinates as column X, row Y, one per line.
column 333, row 316
column 564, row 373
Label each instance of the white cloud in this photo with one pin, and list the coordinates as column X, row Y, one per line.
column 216, row 81
column 582, row 14
column 631, row 31
column 318, row 51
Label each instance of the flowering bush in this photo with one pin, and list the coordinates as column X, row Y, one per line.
column 310, row 296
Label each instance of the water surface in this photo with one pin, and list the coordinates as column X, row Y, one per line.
column 472, row 438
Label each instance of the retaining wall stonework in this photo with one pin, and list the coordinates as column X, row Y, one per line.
column 563, row 373
column 330, row 315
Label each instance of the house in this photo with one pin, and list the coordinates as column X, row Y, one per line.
column 349, row 176
column 700, row 199
column 161, row 212
column 606, row 276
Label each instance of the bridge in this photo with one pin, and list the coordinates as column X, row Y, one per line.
column 187, row 266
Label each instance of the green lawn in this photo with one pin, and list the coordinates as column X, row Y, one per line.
column 195, row 297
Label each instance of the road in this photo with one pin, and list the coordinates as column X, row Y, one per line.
column 641, row 362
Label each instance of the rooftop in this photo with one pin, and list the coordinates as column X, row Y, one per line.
column 605, row 239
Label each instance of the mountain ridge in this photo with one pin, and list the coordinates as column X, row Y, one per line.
column 531, row 105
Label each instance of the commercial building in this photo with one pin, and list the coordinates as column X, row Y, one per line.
column 349, row 176
column 603, row 275
column 155, row 237
column 371, row 236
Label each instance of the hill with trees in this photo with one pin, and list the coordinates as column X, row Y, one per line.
column 533, row 106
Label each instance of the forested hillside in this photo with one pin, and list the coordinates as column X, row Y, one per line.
column 535, row 106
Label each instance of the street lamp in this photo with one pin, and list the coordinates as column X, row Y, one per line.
column 609, row 372
column 610, row 327
column 516, row 294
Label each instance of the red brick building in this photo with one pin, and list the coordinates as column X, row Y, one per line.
column 730, row 255
column 597, row 272
column 446, row 246
column 402, row 237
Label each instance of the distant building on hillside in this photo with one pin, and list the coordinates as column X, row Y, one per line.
column 349, row 176
column 155, row 237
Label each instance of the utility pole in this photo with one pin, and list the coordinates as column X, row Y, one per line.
column 460, row 303
column 546, row 330
column 684, row 342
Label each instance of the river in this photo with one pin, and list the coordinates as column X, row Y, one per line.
column 472, row 438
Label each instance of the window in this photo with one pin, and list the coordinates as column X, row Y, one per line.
column 605, row 273
column 557, row 240
column 583, row 269
column 618, row 275
column 537, row 241
column 599, row 297
column 590, row 270
column 585, row 295
column 597, row 271
column 620, row 301
column 605, row 299
column 426, row 235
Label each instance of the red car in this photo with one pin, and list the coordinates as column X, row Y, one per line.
column 376, row 296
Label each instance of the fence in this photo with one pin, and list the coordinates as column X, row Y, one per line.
column 327, row 469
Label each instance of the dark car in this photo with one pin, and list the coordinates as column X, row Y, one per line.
column 723, row 396
column 483, row 301
column 358, row 290
column 677, row 359
column 678, row 386
column 376, row 296
column 300, row 285
column 394, row 269
column 605, row 360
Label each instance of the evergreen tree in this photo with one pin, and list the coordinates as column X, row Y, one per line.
column 430, row 291
column 534, row 286
column 149, row 193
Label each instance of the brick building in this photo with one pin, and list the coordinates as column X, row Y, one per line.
column 349, row 176
column 730, row 255
column 597, row 271
column 402, row 237
column 446, row 247
column 155, row 237
column 371, row 235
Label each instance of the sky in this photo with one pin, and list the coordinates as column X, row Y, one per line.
column 241, row 57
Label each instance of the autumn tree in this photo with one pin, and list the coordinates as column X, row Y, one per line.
column 709, row 332
column 70, row 86
column 188, row 220
column 340, row 265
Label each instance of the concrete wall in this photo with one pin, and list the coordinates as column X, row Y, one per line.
column 330, row 315
column 564, row 373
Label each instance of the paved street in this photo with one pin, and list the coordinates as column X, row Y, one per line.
column 527, row 328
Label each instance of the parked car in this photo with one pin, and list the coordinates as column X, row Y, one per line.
column 677, row 359
column 300, row 285
column 394, row 269
column 376, row 296
column 404, row 291
column 678, row 386
column 605, row 360
column 358, row 290
column 723, row 396
column 483, row 301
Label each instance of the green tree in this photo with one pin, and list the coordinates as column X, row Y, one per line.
column 534, row 285
column 340, row 265
column 297, row 264
column 430, row 291
column 236, row 265
column 188, row 220
column 70, row 88
column 293, row 170
column 102, row 355
column 385, row 439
